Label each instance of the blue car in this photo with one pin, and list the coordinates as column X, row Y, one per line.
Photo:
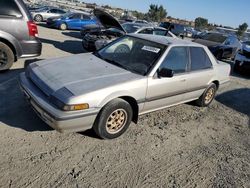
column 74, row 21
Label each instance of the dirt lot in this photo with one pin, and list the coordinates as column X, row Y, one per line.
column 183, row 146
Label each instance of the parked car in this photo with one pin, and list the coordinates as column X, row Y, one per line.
column 242, row 59
column 134, row 75
column 43, row 14
column 18, row 33
column 177, row 29
column 71, row 20
column 223, row 46
column 113, row 29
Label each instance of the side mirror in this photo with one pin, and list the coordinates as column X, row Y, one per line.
column 165, row 73
column 182, row 36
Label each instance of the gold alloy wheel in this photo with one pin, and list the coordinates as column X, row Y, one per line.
column 116, row 121
column 209, row 95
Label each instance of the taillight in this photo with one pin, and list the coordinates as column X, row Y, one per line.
column 33, row 31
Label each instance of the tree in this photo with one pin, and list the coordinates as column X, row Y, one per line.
column 201, row 23
column 156, row 13
column 242, row 29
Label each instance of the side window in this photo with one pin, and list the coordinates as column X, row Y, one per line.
column 146, row 31
column 85, row 17
column 76, row 16
column 53, row 11
column 60, row 11
column 9, row 8
column 176, row 60
column 199, row 59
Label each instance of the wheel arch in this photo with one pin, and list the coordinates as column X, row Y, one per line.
column 134, row 105
column 12, row 47
column 217, row 83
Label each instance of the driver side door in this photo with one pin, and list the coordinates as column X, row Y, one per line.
column 163, row 92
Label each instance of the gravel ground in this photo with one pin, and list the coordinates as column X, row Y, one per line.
column 182, row 146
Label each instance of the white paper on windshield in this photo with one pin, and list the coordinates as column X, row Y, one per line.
column 151, row 49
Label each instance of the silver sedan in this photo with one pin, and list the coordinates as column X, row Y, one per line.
column 133, row 75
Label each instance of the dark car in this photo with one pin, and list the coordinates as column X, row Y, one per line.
column 71, row 20
column 99, row 37
column 18, row 33
column 177, row 29
column 223, row 46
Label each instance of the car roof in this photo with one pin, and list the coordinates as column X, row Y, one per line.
column 167, row 41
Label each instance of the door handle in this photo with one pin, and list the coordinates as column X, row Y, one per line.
column 183, row 80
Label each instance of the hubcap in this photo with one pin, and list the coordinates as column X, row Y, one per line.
column 116, row 121
column 63, row 26
column 3, row 58
column 209, row 95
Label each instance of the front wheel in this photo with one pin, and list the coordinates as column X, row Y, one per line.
column 208, row 96
column 63, row 26
column 114, row 119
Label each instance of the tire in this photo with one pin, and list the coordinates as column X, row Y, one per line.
column 114, row 119
column 63, row 26
column 208, row 96
column 38, row 18
column 7, row 57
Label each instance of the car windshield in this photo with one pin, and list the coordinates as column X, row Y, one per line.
column 133, row 54
column 131, row 28
column 215, row 37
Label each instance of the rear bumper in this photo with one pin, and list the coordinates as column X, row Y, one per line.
column 59, row 120
column 31, row 48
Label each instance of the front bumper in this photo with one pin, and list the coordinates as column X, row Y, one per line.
column 59, row 120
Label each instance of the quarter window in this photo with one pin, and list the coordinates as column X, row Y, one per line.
column 199, row 59
column 9, row 8
column 176, row 60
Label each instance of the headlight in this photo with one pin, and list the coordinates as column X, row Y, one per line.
column 76, row 107
column 65, row 107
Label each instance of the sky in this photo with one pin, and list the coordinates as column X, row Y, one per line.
column 226, row 12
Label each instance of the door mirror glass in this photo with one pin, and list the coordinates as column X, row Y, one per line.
column 165, row 73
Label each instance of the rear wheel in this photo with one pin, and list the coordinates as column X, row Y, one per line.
column 208, row 96
column 63, row 26
column 7, row 57
column 38, row 18
column 114, row 119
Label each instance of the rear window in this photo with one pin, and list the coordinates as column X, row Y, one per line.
column 9, row 8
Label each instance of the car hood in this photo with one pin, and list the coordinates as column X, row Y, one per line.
column 207, row 42
column 79, row 74
column 107, row 20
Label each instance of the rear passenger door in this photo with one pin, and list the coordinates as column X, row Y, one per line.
column 200, row 73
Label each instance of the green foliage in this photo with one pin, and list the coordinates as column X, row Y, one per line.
column 201, row 23
column 242, row 29
column 156, row 13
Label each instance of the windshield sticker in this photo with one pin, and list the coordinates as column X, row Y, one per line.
column 151, row 49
